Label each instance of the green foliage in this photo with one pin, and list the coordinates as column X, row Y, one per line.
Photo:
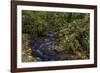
column 65, row 26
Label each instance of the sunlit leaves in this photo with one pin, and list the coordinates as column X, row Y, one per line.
column 71, row 30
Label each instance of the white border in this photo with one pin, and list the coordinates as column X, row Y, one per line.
column 53, row 63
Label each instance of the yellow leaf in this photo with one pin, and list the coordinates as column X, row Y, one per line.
column 30, row 57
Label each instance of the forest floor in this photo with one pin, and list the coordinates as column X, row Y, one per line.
column 27, row 55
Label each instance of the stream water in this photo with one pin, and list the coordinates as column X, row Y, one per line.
column 45, row 50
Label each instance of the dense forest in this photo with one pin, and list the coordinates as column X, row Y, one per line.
column 54, row 36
